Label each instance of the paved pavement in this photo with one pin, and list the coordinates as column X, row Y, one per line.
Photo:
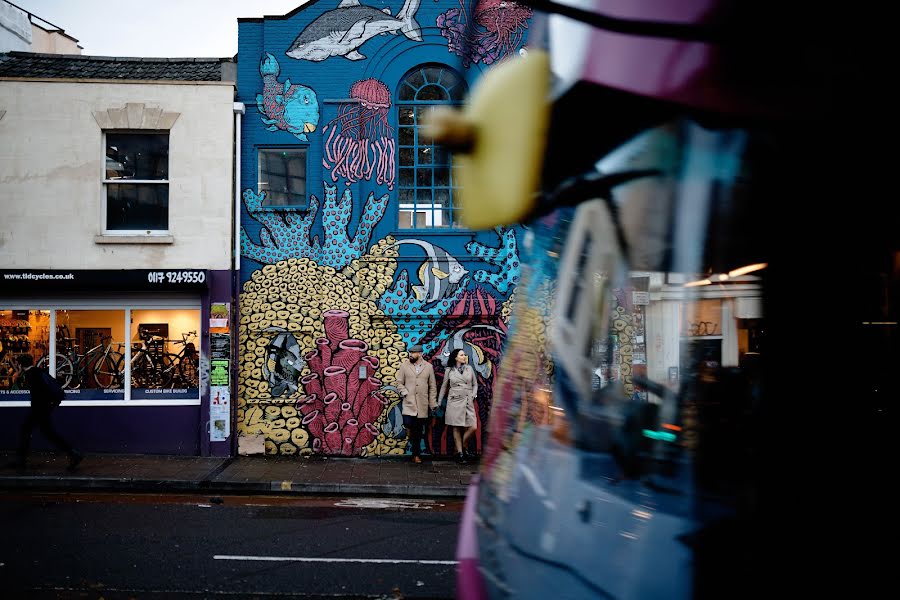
column 243, row 474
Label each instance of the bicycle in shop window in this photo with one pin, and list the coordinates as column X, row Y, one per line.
column 153, row 367
column 98, row 367
column 185, row 365
column 702, row 328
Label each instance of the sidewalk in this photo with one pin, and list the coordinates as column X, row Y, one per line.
column 241, row 475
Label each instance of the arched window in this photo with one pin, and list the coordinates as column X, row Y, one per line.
column 425, row 180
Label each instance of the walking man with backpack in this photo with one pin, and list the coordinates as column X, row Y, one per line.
column 46, row 395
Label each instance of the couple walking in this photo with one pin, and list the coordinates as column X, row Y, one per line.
column 417, row 385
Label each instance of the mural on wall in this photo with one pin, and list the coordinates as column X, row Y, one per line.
column 284, row 106
column 627, row 341
column 361, row 141
column 505, row 256
column 496, row 28
column 287, row 235
column 477, row 355
column 417, row 308
column 283, row 364
column 342, row 400
column 326, row 318
column 466, row 326
column 313, row 302
column 340, row 32
column 307, row 329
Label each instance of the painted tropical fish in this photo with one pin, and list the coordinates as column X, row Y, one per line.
column 341, row 31
column 441, row 274
column 291, row 108
column 283, row 363
column 481, row 364
column 393, row 425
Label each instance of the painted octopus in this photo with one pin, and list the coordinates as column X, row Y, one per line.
column 498, row 30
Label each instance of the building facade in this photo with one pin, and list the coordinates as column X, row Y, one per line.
column 351, row 248
column 116, row 249
column 25, row 32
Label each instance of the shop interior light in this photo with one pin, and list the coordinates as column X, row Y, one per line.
column 698, row 283
column 748, row 269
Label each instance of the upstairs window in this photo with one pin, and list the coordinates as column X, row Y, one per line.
column 282, row 176
column 136, row 178
column 426, row 184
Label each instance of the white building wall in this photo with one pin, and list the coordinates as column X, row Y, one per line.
column 52, row 165
column 663, row 330
column 15, row 29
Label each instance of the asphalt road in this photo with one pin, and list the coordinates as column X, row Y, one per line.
column 163, row 546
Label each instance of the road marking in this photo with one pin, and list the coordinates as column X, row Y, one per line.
column 391, row 561
column 387, row 503
column 536, row 486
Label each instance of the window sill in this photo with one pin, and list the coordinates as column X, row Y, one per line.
column 133, row 239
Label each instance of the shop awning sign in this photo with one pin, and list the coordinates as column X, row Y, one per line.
column 85, row 280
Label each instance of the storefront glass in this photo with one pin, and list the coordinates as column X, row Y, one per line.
column 21, row 332
column 89, row 349
column 165, row 358
column 90, row 353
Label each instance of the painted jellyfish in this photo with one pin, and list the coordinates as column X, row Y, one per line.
column 360, row 140
column 500, row 30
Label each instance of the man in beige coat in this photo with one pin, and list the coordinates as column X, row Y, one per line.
column 417, row 385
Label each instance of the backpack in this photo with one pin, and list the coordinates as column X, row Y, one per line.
column 55, row 391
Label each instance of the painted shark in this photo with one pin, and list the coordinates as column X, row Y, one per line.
column 341, row 31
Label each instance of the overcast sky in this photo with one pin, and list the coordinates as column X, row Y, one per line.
column 183, row 28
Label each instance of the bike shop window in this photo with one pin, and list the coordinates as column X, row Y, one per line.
column 165, row 354
column 90, row 353
column 21, row 332
column 136, row 182
column 282, row 176
column 426, row 183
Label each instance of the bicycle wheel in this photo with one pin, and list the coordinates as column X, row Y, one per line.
column 144, row 372
column 168, row 370
column 65, row 371
column 106, row 372
column 189, row 371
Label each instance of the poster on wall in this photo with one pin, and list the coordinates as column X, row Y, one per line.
column 219, row 413
column 218, row 372
column 220, row 346
column 219, row 315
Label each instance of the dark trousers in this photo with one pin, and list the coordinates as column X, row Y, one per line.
column 40, row 417
column 414, row 427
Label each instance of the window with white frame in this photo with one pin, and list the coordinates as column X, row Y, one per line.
column 420, row 216
column 136, row 182
column 282, row 175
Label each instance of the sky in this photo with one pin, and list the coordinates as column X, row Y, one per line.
column 154, row 28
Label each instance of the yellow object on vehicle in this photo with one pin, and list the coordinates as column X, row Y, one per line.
column 498, row 141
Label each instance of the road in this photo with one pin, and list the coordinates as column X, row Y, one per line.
column 182, row 546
